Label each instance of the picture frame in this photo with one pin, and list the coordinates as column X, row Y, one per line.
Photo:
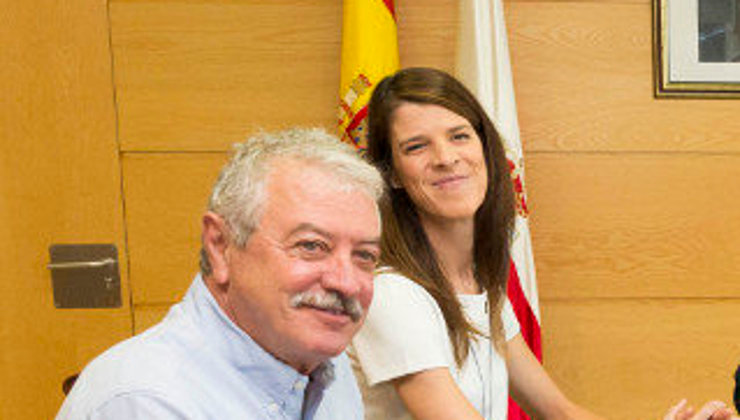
column 696, row 48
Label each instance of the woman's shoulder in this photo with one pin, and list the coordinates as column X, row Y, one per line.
column 388, row 282
column 395, row 294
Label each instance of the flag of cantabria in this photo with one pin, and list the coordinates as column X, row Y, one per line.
column 483, row 65
column 369, row 53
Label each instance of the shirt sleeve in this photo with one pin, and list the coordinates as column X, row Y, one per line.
column 139, row 406
column 404, row 332
column 509, row 321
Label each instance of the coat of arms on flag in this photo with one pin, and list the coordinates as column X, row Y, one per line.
column 369, row 53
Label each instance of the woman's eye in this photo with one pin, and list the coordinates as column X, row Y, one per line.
column 461, row 136
column 410, row 148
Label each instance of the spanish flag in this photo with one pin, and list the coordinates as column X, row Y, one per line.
column 369, row 53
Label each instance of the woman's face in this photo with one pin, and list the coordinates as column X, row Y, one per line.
column 438, row 159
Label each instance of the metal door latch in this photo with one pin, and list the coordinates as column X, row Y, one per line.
column 85, row 275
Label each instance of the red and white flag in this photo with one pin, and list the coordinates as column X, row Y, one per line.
column 483, row 65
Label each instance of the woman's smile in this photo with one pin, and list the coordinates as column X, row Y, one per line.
column 451, row 182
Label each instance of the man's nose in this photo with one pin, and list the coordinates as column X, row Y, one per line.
column 340, row 275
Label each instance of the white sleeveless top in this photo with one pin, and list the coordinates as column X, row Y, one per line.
column 405, row 333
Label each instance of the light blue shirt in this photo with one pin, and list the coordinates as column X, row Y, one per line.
column 197, row 364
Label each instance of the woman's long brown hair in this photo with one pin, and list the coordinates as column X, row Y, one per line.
column 405, row 246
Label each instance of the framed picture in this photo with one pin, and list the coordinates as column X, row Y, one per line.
column 696, row 46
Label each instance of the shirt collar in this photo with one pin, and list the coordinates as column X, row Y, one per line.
column 277, row 379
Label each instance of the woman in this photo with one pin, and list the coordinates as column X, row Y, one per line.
column 440, row 340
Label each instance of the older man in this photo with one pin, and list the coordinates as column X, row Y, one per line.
column 290, row 242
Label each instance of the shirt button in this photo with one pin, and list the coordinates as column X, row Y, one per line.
column 273, row 408
column 299, row 386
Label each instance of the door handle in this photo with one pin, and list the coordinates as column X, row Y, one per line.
column 85, row 275
column 81, row 264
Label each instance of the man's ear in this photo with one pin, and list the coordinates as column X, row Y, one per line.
column 215, row 238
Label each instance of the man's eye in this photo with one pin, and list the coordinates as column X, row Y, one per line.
column 312, row 246
column 368, row 259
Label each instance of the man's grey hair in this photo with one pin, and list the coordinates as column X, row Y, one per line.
column 239, row 194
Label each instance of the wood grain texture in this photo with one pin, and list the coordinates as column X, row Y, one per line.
column 427, row 33
column 59, row 183
column 166, row 195
column 633, row 359
column 194, row 76
column 583, row 78
column 642, row 225
column 146, row 316
column 201, row 75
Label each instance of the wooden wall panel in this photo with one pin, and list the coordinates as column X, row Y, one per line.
column 59, row 183
column 148, row 315
column 633, row 359
column 166, row 195
column 200, row 76
column 635, row 225
column 583, row 77
column 427, row 33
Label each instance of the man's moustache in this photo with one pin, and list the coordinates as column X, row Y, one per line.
column 330, row 301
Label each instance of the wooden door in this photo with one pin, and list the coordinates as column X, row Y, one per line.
column 59, row 183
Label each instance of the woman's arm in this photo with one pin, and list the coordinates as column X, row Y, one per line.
column 433, row 395
column 533, row 389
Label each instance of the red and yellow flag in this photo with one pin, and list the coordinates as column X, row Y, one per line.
column 369, row 53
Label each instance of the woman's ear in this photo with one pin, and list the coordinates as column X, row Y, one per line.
column 395, row 183
column 215, row 238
